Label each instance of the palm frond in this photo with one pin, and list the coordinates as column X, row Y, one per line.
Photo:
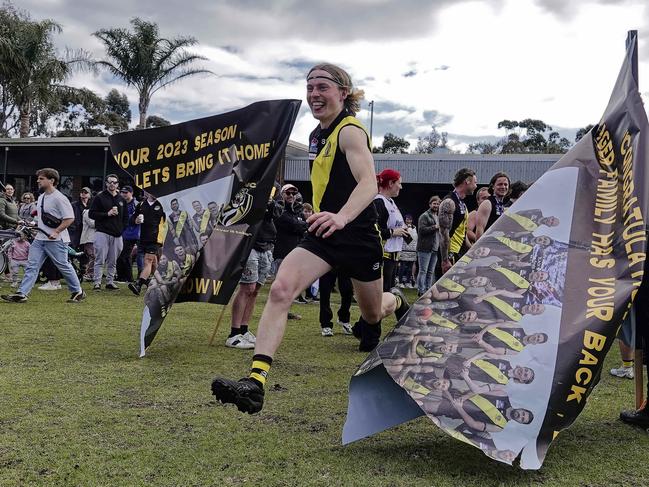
column 145, row 60
column 178, row 77
column 80, row 59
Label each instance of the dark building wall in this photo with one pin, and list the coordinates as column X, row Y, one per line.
column 85, row 161
column 73, row 161
column 78, row 166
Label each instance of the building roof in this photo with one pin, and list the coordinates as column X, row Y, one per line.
column 438, row 168
column 55, row 142
column 441, row 168
column 293, row 148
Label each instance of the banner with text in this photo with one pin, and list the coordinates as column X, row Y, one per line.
column 503, row 351
column 213, row 176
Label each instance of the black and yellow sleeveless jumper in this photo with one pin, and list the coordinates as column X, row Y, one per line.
column 457, row 232
column 497, row 209
column 356, row 250
column 332, row 180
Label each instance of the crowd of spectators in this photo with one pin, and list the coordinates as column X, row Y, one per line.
column 107, row 235
column 49, row 235
column 114, row 234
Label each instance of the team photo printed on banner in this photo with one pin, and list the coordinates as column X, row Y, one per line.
column 213, row 177
column 503, row 350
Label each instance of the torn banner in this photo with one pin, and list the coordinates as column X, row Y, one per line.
column 503, row 351
column 213, row 177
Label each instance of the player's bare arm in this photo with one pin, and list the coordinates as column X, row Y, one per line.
column 482, row 217
column 500, row 325
column 500, row 292
column 470, row 422
column 471, row 226
column 483, row 388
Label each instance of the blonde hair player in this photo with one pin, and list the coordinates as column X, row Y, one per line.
column 342, row 233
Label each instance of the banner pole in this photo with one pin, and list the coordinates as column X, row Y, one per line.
column 632, row 39
column 218, row 324
column 639, row 380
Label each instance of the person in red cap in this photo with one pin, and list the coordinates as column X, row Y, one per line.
column 342, row 233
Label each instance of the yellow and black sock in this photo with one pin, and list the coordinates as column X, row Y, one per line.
column 260, row 367
column 627, row 363
column 398, row 300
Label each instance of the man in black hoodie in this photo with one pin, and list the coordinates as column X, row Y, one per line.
column 109, row 211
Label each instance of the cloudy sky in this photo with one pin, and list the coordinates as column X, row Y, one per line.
column 463, row 65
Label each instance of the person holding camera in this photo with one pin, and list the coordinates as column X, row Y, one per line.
column 290, row 227
column 54, row 216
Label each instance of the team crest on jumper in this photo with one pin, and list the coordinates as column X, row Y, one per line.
column 327, row 149
column 238, row 208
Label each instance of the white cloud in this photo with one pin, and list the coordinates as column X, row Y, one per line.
column 472, row 62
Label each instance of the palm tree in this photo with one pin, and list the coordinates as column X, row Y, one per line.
column 144, row 60
column 29, row 68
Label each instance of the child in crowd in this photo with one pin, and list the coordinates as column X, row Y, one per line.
column 18, row 253
column 408, row 256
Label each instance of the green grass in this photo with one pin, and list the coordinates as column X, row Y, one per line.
column 78, row 407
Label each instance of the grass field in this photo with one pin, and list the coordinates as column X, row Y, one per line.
column 78, row 407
